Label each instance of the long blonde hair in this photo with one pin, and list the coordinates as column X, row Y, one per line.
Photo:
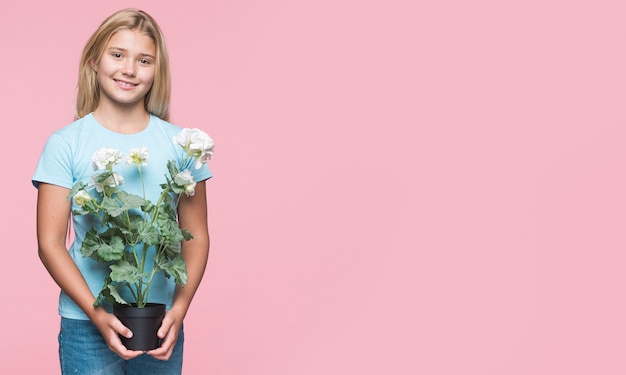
column 88, row 94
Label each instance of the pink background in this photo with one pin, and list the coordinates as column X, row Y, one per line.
column 401, row 187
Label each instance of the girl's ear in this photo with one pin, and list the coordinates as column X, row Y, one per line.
column 93, row 65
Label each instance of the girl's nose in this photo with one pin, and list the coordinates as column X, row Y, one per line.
column 129, row 69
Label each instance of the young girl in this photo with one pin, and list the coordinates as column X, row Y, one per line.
column 123, row 97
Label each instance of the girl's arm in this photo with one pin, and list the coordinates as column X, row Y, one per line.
column 192, row 215
column 53, row 215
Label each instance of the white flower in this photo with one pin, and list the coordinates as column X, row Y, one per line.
column 186, row 180
column 114, row 180
column 82, row 197
column 137, row 156
column 196, row 144
column 105, row 158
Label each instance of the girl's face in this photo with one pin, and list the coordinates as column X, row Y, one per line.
column 125, row 71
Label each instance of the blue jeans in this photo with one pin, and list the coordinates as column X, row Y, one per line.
column 83, row 351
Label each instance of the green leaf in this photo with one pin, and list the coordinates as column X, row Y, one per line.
column 91, row 206
column 91, row 209
column 114, row 295
column 170, row 249
column 130, row 258
column 147, row 233
column 110, row 294
column 130, row 201
column 176, row 188
column 107, row 246
column 91, row 242
column 112, row 251
column 122, row 201
column 171, row 167
column 112, row 206
column 175, row 267
column 124, row 272
column 187, row 235
column 101, row 177
column 147, row 207
column 170, row 231
column 116, row 222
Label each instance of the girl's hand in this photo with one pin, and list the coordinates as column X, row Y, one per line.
column 170, row 328
column 110, row 327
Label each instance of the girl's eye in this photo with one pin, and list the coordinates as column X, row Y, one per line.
column 145, row 61
column 116, row 55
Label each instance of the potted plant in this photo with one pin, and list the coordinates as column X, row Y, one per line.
column 132, row 228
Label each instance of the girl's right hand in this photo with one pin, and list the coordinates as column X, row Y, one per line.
column 110, row 328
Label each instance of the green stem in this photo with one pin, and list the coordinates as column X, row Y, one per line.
column 140, row 286
column 158, row 204
column 143, row 188
column 132, row 292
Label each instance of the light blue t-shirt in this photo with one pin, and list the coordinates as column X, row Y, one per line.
column 67, row 159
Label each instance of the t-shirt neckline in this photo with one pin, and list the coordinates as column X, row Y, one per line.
column 104, row 128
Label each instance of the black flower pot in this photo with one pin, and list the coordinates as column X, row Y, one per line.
column 144, row 322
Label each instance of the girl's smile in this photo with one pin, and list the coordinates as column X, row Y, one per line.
column 125, row 85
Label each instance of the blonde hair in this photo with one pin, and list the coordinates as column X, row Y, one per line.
column 88, row 94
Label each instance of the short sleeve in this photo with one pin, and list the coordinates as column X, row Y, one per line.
column 55, row 163
column 200, row 174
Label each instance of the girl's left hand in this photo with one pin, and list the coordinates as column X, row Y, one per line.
column 170, row 328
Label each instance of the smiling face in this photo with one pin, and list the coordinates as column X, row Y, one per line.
column 125, row 71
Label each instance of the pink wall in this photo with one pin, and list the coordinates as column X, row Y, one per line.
column 402, row 187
